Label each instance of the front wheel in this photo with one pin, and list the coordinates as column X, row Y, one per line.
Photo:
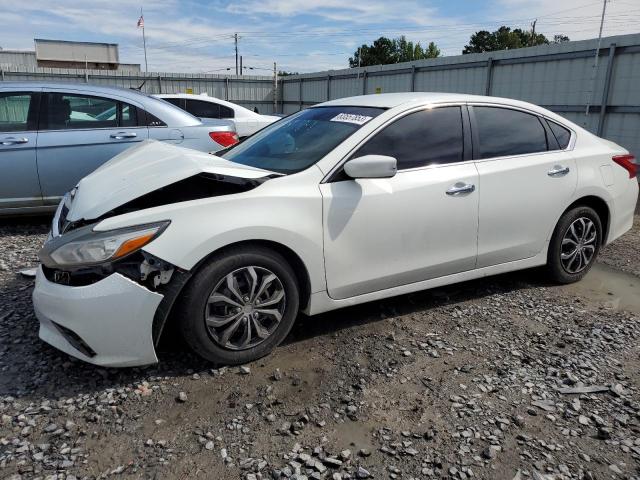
column 574, row 245
column 239, row 306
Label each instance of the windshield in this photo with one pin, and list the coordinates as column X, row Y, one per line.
column 300, row 140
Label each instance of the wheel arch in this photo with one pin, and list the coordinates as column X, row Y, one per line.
column 164, row 320
column 294, row 260
column 601, row 208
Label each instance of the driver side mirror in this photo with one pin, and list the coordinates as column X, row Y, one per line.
column 371, row 166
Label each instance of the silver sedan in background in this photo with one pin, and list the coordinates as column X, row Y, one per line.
column 52, row 135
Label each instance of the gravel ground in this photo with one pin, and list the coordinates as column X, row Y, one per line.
column 502, row 378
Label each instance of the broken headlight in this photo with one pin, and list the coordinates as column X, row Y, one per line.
column 99, row 247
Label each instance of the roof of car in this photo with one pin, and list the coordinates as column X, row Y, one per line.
column 76, row 86
column 170, row 114
column 391, row 100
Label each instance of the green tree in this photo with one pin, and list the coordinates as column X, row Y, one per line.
column 505, row 38
column 432, row 50
column 384, row 51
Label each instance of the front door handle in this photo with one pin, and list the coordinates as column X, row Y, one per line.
column 461, row 188
column 558, row 171
column 13, row 140
column 123, row 135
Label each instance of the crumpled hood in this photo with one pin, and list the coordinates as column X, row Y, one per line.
column 144, row 168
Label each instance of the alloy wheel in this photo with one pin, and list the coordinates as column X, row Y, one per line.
column 579, row 245
column 245, row 308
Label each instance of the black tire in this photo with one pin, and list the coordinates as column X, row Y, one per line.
column 558, row 271
column 193, row 303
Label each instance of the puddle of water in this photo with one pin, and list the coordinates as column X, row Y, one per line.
column 616, row 289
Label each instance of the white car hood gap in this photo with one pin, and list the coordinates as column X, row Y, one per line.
column 142, row 169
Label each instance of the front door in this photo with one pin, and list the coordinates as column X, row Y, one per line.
column 418, row 225
column 19, row 187
column 78, row 133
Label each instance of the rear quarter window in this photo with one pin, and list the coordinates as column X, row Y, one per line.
column 562, row 134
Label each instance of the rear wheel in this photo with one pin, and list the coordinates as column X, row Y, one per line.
column 239, row 306
column 574, row 245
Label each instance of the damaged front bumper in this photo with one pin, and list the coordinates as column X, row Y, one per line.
column 108, row 323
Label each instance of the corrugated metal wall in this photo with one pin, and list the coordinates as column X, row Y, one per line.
column 248, row 91
column 18, row 58
column 559, row 77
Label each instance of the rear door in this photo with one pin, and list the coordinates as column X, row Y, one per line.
column 420, row 224
column 19, row 186
column 526, row 182
column 78, row 133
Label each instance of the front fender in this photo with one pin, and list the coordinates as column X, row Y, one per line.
column 285, row 210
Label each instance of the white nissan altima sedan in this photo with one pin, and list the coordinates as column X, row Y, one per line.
column 349, row 201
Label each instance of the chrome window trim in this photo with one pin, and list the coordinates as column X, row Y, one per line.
column 404, row 113
column 88, row 129
column 3, row 132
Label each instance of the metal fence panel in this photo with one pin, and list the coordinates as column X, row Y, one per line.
column 460, row 80
column 248, row 91
column 557, row 76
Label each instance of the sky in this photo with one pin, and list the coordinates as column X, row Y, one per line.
column 299, row 35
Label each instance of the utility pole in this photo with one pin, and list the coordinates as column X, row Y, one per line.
column 275, row 88
column 235, row 36
column 594, row 68
column 240, row 65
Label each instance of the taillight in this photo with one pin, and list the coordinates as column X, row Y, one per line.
column 226, row 139
column 626, row 162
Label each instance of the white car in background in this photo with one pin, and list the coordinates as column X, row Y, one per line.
column 346, row 202
column 203, row 106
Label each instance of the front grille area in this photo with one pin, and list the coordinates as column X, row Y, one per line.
column 77, row 278
column 75, row 340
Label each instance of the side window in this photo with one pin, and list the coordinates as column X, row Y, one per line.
column 422, row 138
column 199, row 108
column 14, row 112
column 178, row 102
column 562, row 134
column 145, row 118
column 502, row 132
column 226, row 112
column 65, row 111
column 128, row 115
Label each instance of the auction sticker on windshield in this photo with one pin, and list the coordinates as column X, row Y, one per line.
column 351, row 118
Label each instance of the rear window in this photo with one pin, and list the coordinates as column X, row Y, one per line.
column 302, row 139
column 178, row 102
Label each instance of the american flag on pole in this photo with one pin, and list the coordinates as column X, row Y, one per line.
column 141, row 22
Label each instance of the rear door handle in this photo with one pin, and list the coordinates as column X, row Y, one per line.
column 558, row 171
column 123, row 135
column 461, row 188
column 13, row 140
